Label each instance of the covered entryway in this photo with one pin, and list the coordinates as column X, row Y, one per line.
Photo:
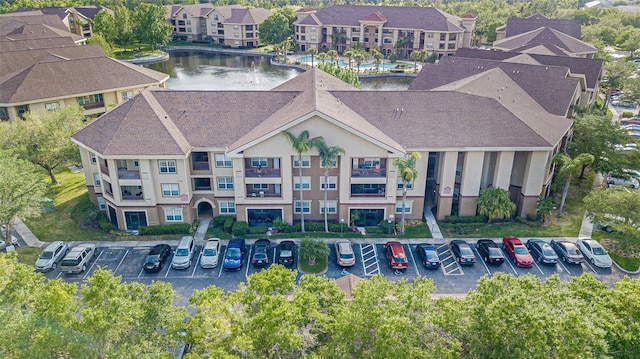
column 113, row 216
column 205, row 210
column 135, row 219
column 367, row 216
column 263, row 217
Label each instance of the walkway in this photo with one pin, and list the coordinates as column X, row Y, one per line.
column 433, row 224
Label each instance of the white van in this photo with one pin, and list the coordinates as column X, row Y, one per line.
column 184, row 253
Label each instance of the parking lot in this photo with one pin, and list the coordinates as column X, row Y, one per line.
column 450, row 277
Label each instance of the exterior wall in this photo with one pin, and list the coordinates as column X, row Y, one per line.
column 470, row 183
column 241, row 35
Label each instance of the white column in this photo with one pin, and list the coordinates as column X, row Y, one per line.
column 502, row 172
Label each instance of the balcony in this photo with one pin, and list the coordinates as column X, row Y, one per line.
column 263, row 191
column 124, row 173
column 131, row 193
column 104, row 169
column 369, row 167
column 200, row 161
column 262, row 167
column 92, row 105
column 368, row 190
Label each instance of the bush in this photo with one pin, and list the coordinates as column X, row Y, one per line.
column 335, row 227
column 258, row 230
column 373, row 230
column 85, row 214
column 386, row 228
column 228, row 224
column 103, row 222
column 239, row 228
column 465, row 219
column 178, row 228
column 314, row 226
column 218, row 222
column 461, row 228
column 626, row 114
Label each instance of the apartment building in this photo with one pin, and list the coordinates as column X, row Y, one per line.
column 388, row 29
column 76, row 19
column 43, row 68
column 172, row 156
column 232, row 25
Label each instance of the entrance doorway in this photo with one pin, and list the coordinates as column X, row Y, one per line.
column 113, row 216
column 367, row 217
column 135, row 219
column 263, row 217
column 205, row 210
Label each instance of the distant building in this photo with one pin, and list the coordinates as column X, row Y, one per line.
column 388, row 29
column 77, row 19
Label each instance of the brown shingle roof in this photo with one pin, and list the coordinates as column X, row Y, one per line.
column 12, row 61
column 426, row 18
column 7, row 45
column 376, row 16
column 248, row 16
column 517, row 26
column 548, row 85
column 542, row 36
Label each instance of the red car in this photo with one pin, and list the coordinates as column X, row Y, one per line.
column 396, row 256
column 517, row 251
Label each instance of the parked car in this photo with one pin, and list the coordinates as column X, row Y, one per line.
column 184, row 253
column 462, row 252
column 428, row 255
column 630, row 121
column 210, row 253
column 542, row 251
column 285, row 253
column 395, row 255
column 49, row 258
column 260, row 256
column 344, row 253
column 78, row 258
column 594, row 252
column 233, row 255
column 631, row 182
column 156, row 257
column 517, row 251
column 490, row 251
column 567, row 251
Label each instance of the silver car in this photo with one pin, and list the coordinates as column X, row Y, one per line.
column 49, row 258
column 210, row 253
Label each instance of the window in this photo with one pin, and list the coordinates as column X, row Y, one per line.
column 458, row 170
column 429, row 45
column 236, row 35
column 225, row 182
column 96, row 179
column 173, row 215
column 259, row 162
column 188, row 22
column 102, row 204
column 215, row 17
column 83, row 100
column 227, row 207
column 202, row 184
column 259, row 186
column 301, row 206
column 236, row 43
column 400, row 182
column 313, row 38
column 313, row 29
column 188, row 30
column 355, row 39
column 22, row 109
column 235, row 27
column 184, row 16
column 92, row 156
column 306, row 182
column 170, row 190
column 331, row 207
column 306, row 162
column 407, row 206
column 98, row 98
column 223, row 161
column 387, row 40
column 203, row 22
column 331, row 181
column 127, row 95
column 456, row 193
column 371, row 162
column 52, row 106
column 430, row 35
column 167, row 166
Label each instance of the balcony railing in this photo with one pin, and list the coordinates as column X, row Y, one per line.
column 263, row 195
column 369, row 172
column 262, row 172
column 128, row 174
column 92, row 105
column 132, row 198
column 104, row 169
column 200, row 165
column 376, row 194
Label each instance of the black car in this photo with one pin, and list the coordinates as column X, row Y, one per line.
column 285, row 253
column 490, row 251
column 260, row 255
column 156, row 257
column 542, row 251
column 428, row 255
column 462, row 252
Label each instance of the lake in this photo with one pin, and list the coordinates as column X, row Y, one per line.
column 212, row 71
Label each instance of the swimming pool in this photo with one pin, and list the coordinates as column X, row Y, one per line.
column 342, row 63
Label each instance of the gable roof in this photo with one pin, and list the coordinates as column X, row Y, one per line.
column 248, row 16
column 590, row 68
column 544, row 36
column 8, row 44
column 517, row 26
column 12, row 61
column 425, row 18
column 35, row 27
column 547, row 85
column 376, row 16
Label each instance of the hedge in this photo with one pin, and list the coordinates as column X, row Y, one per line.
column 178, row 228
column 314, row 226
column 228, row 224
column 465, row 219
column 103, row 222
column 239, row 228
column 258, row 230
column 218, row 222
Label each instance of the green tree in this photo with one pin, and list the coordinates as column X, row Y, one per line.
column 618, row 207
column 312, row 51
column 567, row 167
column 302, row 143
column 102, row 42
column 494, row 203
column 349, row 54
column 104, row 24
column 417, row 56
column 617, row 73
column 44, row 138
column 21, row 191
column 275, row 29
column 359, row 56
column 624, row 338
column 322, row 56
column 151, row 24
column 122, row 27
column 408, row 173
column 311, row 249
column 333, row 55
column 328, row 157
column 377, row 58
column 545, row 206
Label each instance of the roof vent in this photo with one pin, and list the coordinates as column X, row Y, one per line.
column 499, row 97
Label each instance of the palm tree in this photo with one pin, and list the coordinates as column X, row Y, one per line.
column 408, row 173
column 545, row 207
column 568, row 166
column 415, row 56
column 322, row 56
column 378, row 56
column 359, row 57
column 333, row 54
column 328, row 155
column 302, row 144
column 494, row 202
column 311, row 249
column 349, row 54
column 312, row 52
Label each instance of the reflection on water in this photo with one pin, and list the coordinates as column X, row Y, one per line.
column 211, row 71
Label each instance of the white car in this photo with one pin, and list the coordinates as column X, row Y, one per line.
column 594, row 253
column 49, row 258
column 210, row 253
column 344, row 253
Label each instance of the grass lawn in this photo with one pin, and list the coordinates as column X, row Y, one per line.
column 28, row 255
column 319, row 267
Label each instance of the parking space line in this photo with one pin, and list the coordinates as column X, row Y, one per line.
column 537, row 266
column 196, row 266
column 590, row 267
column 414, row 259
column 59, row 275
column 93, row 265
column 222, row 264
column 481, row 260
column 122, row 260
column 507, row 259
column 141, row 270
column 246, row 272
column 565, row 267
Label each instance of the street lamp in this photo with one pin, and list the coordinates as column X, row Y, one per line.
column 341, row 225
column 389, row 221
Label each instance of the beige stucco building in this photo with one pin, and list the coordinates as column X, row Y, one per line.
column 172, row 156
